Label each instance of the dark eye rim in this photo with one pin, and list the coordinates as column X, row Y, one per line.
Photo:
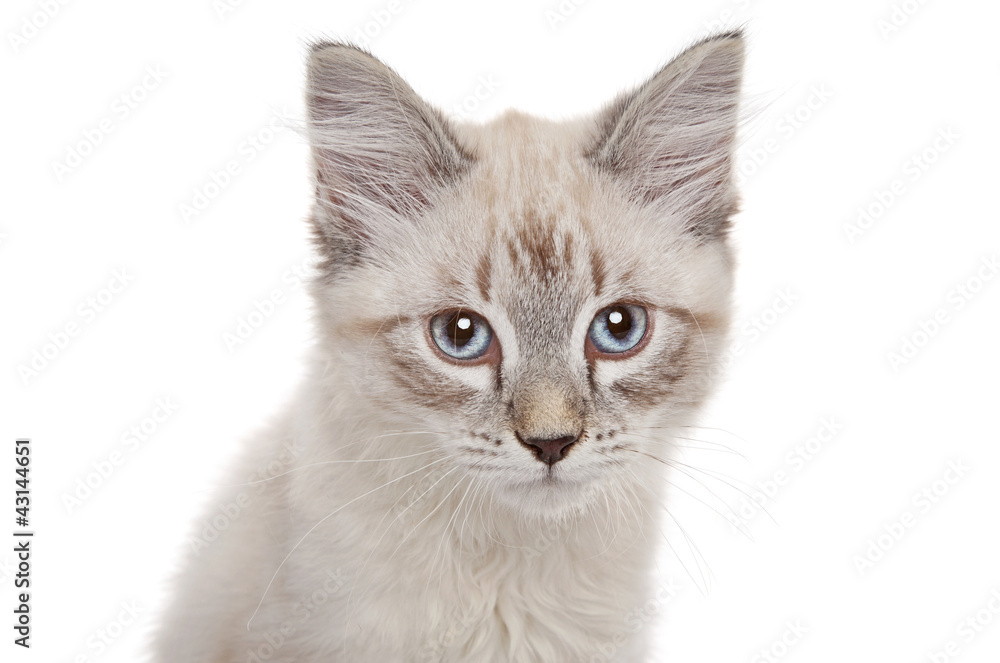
column 492, row 354
column 593, row 353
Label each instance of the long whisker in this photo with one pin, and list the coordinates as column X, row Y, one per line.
column 468, row 510
column 327, row 462
column 735, row 520
column 672, row 435
column 721, row 430
column 699, row 558
column 403, row 512
column 672, row 549
column 697, row 427
column 696, row 554
column 323, row 520
column 444, row 533
column 686, row 470
column 432, row 512
column 386, row 531
column 619, row 487
column 408, row 432
column 692, row 495
column 713, row 475
column 716, row 446
column 669, row 440
column 447, row 527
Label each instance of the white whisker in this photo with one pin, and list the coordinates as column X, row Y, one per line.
column 323, row 520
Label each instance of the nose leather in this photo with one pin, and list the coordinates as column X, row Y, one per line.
column 549, row 450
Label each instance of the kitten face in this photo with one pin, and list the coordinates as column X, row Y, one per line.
column 541, row 295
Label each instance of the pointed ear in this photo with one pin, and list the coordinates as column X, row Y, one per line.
column 670, row 141
column 380, row 151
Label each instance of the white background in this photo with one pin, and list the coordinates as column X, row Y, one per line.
column 846, row 101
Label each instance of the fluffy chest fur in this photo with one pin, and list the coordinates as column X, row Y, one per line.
column 433, row 570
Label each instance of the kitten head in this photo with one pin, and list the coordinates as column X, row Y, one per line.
column 545, row 296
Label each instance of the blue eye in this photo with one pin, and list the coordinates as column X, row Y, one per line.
column 461, row 334
column 618, row 328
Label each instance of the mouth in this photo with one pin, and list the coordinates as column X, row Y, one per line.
column 549, row 479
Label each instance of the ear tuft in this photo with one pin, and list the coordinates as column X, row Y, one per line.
column 671, row 140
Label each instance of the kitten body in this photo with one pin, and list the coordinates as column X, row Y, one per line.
column 411, row 505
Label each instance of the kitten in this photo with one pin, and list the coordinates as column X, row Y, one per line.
column 511, row 317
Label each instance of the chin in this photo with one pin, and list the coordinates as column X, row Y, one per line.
column 545, row 496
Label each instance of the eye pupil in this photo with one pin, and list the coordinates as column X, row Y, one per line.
column 460, row 329
column 617, row 329
column 619, row 322
column 461, row 334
